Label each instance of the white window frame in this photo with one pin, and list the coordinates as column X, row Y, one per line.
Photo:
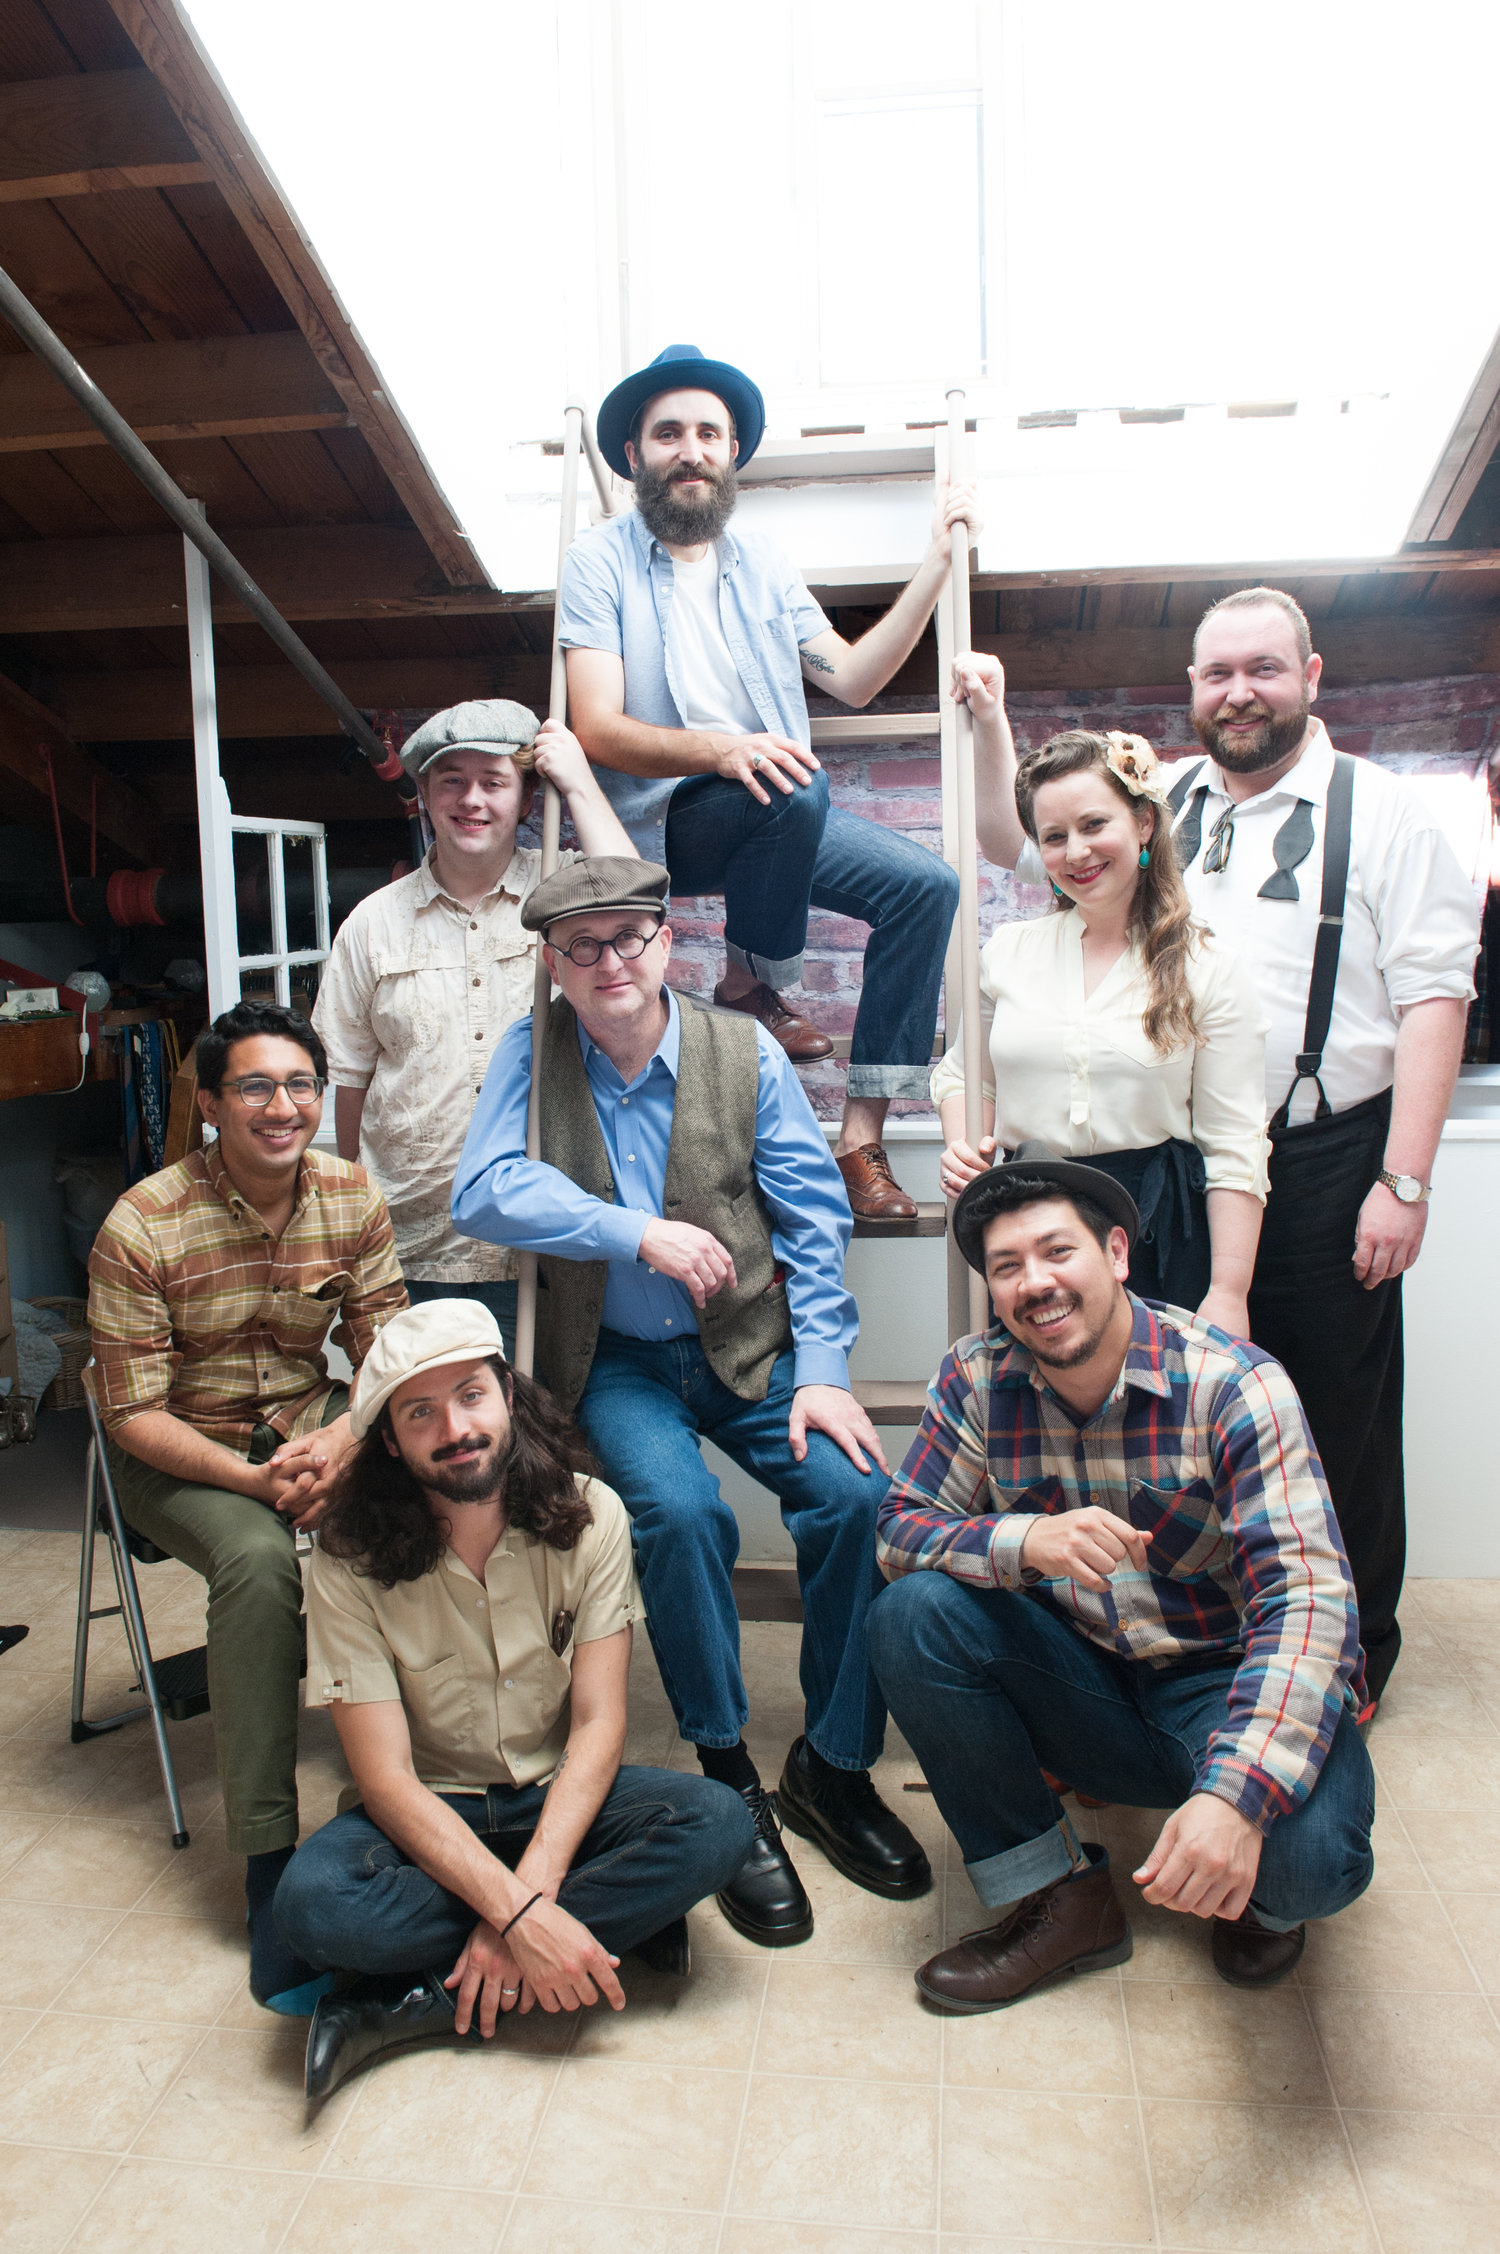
column 283, row 960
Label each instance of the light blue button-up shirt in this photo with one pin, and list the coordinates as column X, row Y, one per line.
column 503, row 1197
column 616, row 595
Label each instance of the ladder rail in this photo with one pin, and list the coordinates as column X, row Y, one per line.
column 968, row 855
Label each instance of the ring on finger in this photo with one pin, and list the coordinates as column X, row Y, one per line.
column 510, row 1991
column 755, row 759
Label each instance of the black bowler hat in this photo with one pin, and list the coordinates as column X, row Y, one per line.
column 1037, row 1161
column 681, row 367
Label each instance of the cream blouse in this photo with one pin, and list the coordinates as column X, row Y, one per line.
column 1080, row 1073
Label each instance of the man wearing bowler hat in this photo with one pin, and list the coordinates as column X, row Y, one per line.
column 687, row 648
column 1113, row 1559
column 691, row 1227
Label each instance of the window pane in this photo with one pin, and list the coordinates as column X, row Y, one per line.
column 252, row 892
column 301, row 911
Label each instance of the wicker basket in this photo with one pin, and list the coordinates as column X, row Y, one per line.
column 66, row 1389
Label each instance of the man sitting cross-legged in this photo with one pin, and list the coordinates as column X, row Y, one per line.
column 469, row 1622
column 1133, row 1579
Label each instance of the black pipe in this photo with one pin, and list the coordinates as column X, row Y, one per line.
column 177, row 897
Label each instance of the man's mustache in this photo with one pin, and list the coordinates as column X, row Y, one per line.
column 686, row 474
column 1046, row 1303
column 461, row 1448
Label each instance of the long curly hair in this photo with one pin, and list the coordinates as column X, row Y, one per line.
column 1160, row 915
column 380, row 1522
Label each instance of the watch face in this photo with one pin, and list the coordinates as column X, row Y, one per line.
column 1408, row 1188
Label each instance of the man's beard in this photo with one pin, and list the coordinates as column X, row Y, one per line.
column 1075, row 1354
column 1277, row 740
column 467, row 1478
column 680, row 523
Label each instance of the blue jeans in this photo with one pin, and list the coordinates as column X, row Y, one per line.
column 660, row 1843
column 644, row 1406
column 771, row 862
column 500, row 1298
column 990, row 1687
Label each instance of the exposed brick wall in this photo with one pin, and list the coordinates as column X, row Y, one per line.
column 1450, row 724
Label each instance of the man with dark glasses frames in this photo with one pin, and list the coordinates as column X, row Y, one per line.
column 213, row 1286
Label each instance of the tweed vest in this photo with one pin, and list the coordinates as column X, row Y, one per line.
column 710, row 1183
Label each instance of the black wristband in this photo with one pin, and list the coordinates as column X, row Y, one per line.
column 521, row 1912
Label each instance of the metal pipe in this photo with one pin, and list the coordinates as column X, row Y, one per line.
column 599, row 469
column 50, row 349
column 968, row 847
column 557, row 709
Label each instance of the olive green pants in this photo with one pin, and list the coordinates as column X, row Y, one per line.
column 247, row 1555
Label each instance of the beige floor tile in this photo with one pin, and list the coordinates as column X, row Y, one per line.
column 1042, row 2162
column 665, row 2132
column 859, row 2154
column 1446, row 1774
column 1398, row 1867
column 89, row 1865
column 159, row 1968
column 742, row 2237
column 1459, row 1851
column 571, row 2226
column 43, row 2194
column 1456, row 1602
column 1167, row 1946
column 26, row 1693
column 42, row 1947
column 134, row 1793
column 1434, row 1706
column 1071, row 2037
column 1258, row 2179
column 21, row 1833
column 769, row 1654
column 15, row 2021
column 201, row 1880
column 1247, row 2048
column 89, row 2082
column 456, row 2117
column 1406, row 2053
column 166, row 2207
column 853, row 1927
column 1386, row 1941
column 708, row 2019
column 240, row 2099
column 354, row 2218
column 1433, row 2182
column 859, row 2021
column 49, row 1778
column 1476, row 1920
column 712, row 1935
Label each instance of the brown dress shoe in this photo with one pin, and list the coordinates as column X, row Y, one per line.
column 874, row 1192
column 1249, row 1955
column 1072, row 1926
column 799, row 1037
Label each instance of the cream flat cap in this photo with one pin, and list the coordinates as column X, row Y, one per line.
column 415, row 1341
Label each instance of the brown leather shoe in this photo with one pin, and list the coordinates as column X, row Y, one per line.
column 1249, row 1955
column 874, row 1192
column 799, row 1037
column 1072, row 1926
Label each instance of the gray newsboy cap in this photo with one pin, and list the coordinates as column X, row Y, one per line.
column 984, row 1197
column 493, row 724
column 597, row 881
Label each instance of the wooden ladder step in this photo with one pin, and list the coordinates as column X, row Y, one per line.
column 888, row 1400
column 767, row 1592
column 931, row 1220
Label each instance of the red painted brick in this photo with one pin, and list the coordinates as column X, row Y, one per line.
column 906, row 774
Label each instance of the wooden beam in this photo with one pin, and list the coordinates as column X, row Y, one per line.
column 1401, row 565
column 1464, row 459
column 90, row 134
column 84, row 788
column 214, row 387
column 1353, row 649
column 267, row 700
column 171, row 50
column 308, row 571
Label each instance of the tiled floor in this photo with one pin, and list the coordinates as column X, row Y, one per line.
column 795, row 2103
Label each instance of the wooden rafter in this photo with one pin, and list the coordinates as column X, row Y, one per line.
column 269, row 700
column 214, row 387
column 84, row 788
column 91, row 134
column 1464, row 458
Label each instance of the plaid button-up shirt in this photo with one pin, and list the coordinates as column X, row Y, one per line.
column 1203, row 1446
column 195, row 1308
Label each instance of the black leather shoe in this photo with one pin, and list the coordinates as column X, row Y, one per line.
column 668, row 1951
column 842, row 1813
column 767, row 1901
column 376, row 2013
column 1249, row 1955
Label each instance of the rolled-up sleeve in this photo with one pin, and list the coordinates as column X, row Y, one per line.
column 1228, row 1098
column 937, row 1516
column 348, row 1658
column 130, row 1324
column 1426, row 915
column 589, row 599
column 612, row 1596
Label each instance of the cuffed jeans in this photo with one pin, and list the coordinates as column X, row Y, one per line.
column 499, row 1297
column 643, row 1409
column 989, row 1687
column 772, row 862
column 661, row 1842
column 247, row 1554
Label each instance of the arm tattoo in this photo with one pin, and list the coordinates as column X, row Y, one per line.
column 815, row 663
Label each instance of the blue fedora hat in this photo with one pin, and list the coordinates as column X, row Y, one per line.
column 682, row 367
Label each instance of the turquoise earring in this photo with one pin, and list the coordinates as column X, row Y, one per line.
column 1145, row 859
column 1058, row 892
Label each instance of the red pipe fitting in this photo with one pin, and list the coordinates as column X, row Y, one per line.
column 130, row 896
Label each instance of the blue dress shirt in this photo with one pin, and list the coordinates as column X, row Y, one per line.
column 503, row 1197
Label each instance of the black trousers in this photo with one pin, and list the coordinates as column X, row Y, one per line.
column 1341, row 1347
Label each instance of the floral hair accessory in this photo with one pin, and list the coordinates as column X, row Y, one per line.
column 1132, row 762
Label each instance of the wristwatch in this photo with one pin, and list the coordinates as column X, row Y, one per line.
column 1405, row 1186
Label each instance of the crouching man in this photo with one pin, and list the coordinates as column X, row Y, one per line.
column 1133, row 1580
column 469, row 1621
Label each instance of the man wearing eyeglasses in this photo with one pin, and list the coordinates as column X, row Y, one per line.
column 213, row 1286
column 691, row 1226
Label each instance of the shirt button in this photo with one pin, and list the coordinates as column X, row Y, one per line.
column 509, row 1683
column 479, row 1036
column 473, row 927
column 624, row 1099
column 479, row 1601
column 630, row 1158
column 479, row 1091
column 668, row 1321
column 478, row 982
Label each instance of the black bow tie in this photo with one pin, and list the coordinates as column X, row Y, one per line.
column 1291, row 845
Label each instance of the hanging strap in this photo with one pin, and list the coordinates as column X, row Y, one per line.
column 1188, row 835
column 1337, row 825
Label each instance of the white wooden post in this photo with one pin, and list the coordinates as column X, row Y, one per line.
column 968, row 848
column 221, row 931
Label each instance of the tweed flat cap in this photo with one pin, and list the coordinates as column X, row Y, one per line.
column 492, row 724
column 979, row 1203
column 415, row 1341
column 598, row 881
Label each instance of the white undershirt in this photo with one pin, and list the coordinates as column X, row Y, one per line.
column 712, row 695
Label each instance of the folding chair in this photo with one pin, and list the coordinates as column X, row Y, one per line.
column 174, row 1688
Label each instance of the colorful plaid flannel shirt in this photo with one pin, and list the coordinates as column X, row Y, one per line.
column 1203, row 1446
column 194, row 1308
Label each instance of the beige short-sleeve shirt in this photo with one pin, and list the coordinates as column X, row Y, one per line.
column 473, row 1662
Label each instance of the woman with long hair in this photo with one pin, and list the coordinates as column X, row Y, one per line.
column 1121, row 1031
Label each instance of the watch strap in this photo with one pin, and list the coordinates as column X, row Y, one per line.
column 1390, row 1180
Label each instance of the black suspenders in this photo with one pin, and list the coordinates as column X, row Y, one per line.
column 1337, row 825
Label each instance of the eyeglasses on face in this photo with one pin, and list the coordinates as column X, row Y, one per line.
column 627, row 944
column 1220, row 839
column 256, row 1092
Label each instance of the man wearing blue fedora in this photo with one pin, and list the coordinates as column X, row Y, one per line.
column 687, row 646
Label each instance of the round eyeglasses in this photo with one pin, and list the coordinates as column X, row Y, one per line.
column 256, row 1093
column 627, row 944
